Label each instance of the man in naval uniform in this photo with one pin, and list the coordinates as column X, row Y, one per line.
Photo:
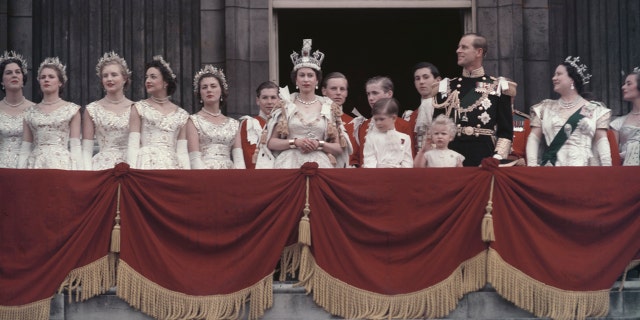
column 479, row 104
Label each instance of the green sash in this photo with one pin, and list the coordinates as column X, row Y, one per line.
column 551, row 154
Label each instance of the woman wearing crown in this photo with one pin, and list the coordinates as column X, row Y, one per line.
column 157, row 131
column 306, row 127
column 107, row 120
column 52, row 126
column 213, row 139
column 12, row 107
column 572, row 129
column 627, row 128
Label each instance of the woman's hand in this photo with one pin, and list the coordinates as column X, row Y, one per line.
column 306, row 145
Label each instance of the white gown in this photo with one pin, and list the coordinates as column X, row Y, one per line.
column 216, row 141
column 159, row 137
column 51, row 137
column 578, row 149
column 111, row 132
column 10, row 139
column 629, row 137
column 446, row 158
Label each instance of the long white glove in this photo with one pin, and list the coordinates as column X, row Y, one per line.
column 533, row 144
column 183, row 154
column 604, row 151
column 23, row 156
column 76, row 154
column 87, row 153
column 132, row 149
column 195, row 157
column 238, row 158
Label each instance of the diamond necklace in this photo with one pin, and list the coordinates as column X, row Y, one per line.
column 308, row 103
column 217, row 114
column 14, row 105
column 160, row 101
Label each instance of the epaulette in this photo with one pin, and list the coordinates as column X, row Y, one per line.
column 521, row 114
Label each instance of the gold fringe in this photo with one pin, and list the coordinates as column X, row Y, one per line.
column 91, row 280
column 540, row 299
column 631, row 265
column 290, row 261
column 39, row 310
column 342, row 299
column 487, row 221
column 162, row 303
column 115, row 233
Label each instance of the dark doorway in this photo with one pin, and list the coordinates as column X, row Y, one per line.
column 362, row 43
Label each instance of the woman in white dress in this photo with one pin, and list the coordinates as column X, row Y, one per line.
column 572, row 129
column 157, row 132
column 627, row 128
column 306, row 127
column 52, row 126
column 107, row 120
column 213, row 139
column 14, row 76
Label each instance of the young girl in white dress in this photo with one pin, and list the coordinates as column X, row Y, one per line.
column 385, row 147
column 442, row 131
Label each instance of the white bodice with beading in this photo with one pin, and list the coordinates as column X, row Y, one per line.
column 159, row 136
column 629, row 137
column 216, row 141
column 111, row 132
column 10, row 139
column 51, row 137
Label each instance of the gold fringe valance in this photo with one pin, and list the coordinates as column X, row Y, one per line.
column 540, row 299
column 38, row 310
column 161, row 303
column 342, row 299
column 91, row 280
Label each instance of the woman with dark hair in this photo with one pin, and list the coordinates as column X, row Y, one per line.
column 51, row 126
column 627, row 128
column 425, row 77
column 157, row 132
column 574, row 130
column 306, row 127
column 14, row 76
column 108, row 118
column 213, row 139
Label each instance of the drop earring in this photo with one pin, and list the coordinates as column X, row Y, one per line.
column 316, row 87
column 296, row 87
column 221, row 99
column 572, row 87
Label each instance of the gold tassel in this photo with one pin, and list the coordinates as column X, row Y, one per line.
column 115, row 233
column 487, row 221
column 304, row 228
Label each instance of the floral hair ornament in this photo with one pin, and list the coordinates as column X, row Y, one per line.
column 54, row 62
column 581, row 68
column 307, row 60
column 112, row 57
column 209, row 69
column 165, row 65
column 15, row 57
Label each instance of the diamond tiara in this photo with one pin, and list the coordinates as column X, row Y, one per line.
column 13, row 56
column 209, row 69
column 307, row 60
column 581, row 68
column 112, row 57
column 165, row 64
column 55, row 63
column 636, row 70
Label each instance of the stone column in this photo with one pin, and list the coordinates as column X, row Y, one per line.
column 16, row 21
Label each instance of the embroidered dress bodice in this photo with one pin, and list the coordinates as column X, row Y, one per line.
column 10, row 139
column 50, row 137
column 302, row 125
column 111, row 132
column 159, row 136
column 216, row 141
column 442, row 158
column 629, row 136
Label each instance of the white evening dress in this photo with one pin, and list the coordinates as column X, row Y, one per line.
column 629, row 137
column 10, row 139
column 159, row 137
column 216, row 141
column 111, row 132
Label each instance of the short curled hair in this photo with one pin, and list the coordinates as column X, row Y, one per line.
column 224, row 92
column 443, row 120
column 4, row 65
column 172, row 84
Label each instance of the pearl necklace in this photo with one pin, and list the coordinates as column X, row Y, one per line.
column 160, row 101
column 116, row 101
column 50, row 103
column 14, row 105
column 217, row 114
column 308, row 103
column 570, row 104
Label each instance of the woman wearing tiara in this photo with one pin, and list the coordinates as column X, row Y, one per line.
column 306, row 127
column 107, row 119
column 12, row 107
column 213, row 139
column 157, row 135
column 572, row 129
column 51, row 126
column 627, row 128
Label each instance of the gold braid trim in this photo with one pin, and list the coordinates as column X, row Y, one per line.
column 161, row 303
column 342, row 299
column 39, row 310
column 91, row 280
column 290, row 261
column 542, row 300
